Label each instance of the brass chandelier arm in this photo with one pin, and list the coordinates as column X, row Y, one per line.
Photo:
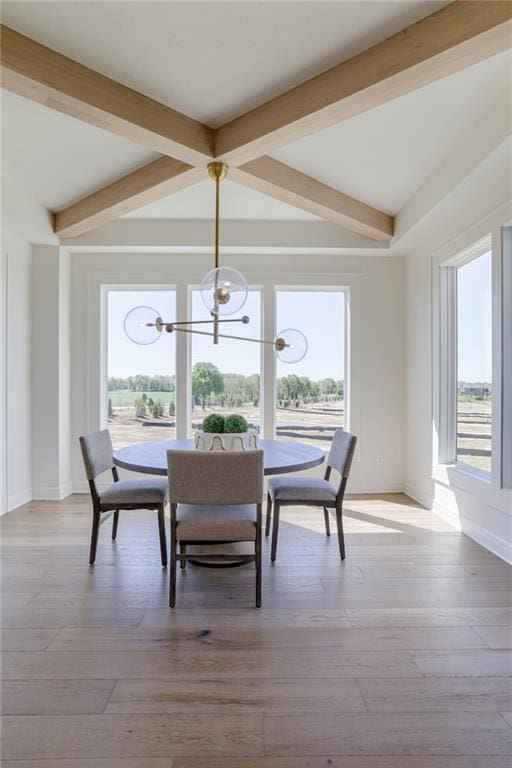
column 278, row 343
column 244, row 320
column 161, row 324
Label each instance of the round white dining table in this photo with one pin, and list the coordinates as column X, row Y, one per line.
column 279, row 456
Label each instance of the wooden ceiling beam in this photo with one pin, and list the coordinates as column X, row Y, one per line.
column 154, row 181
column 165, row 176
column 457, row 36
column 40, row 74
column 285, row 183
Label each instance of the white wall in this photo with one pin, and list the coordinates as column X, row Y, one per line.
column 376, row 285
column 45, row 371
column 479, row 508
column 418, row 383
column 65, row 485
column 17, row 255
column 51, row 465
column 3, row 380
column 23, row 215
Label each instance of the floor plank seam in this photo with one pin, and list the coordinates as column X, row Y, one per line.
column 482, row 677
column 475, row 629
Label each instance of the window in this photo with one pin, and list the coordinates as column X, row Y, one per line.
column 310, row 394
column 141, row 379
column 474, row 362
column 226, row 377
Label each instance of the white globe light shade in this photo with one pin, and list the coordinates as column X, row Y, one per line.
column 140, row 325
column 224, row 291
column 291, row 345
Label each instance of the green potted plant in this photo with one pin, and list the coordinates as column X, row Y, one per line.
column 225, row 433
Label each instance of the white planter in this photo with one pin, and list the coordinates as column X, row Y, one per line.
column 226, row 441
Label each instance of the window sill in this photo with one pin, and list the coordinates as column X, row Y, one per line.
column 446, row 473
column 468, row 471
column 459, row 477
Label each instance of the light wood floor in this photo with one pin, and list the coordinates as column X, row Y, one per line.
column 400, row 657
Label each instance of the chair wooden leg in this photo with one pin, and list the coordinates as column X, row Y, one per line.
column 269, row 516
column 257, row 552
column 183, row 551
column 161, row 531
column 275, row 531
column 114, row 524
column 326, row 519
column 341, row 537
column 172, row 579
column 94, row 536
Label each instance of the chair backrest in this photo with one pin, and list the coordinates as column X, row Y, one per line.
column 215, row 477
column 97, row 453
column 342, row 452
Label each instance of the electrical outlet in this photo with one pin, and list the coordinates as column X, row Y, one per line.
column 379, row 459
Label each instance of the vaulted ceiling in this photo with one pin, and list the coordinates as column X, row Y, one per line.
column 373, row 134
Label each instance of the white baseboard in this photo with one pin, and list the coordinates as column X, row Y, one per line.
column 378, row 487
column 447, row 514
column 16, row 500
column 52, row 493
column 82, row 486
column 419, row 497
column 495, row 544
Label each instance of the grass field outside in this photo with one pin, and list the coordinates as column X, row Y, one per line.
column 312, row 423
column 125, row 398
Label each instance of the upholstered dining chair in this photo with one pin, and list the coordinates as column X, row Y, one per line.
column 97, row 453
column 215, row 498
column 314, row 491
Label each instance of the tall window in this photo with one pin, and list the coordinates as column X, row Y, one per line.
column 226, row 377
column 474, row 362
column 141, row 379
column 310, row 394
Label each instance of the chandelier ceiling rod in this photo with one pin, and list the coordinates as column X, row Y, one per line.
column 224, row 292
column 217, row 172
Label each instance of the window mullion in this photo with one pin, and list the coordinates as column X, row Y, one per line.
column 448, row 368
column 268, row 361
column 183, row 370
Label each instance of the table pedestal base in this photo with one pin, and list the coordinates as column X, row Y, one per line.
column 211, row 564
column 226, row 548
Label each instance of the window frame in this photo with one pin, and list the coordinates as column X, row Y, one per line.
column 499, row 242
column 448, row 362
column 183, row 288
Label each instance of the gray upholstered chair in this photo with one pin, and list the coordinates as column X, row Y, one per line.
column 151, row 493
column 215, row 498
column 314, row 491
